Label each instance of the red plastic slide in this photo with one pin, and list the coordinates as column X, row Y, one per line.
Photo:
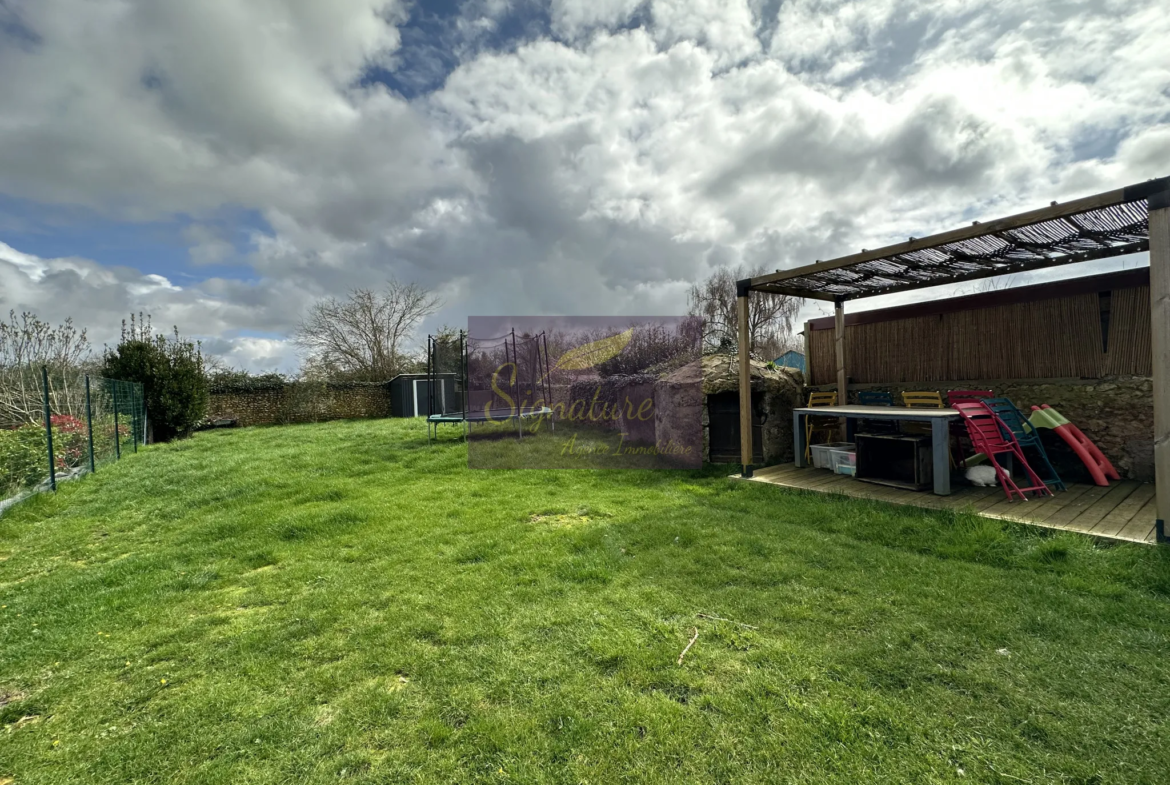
column 1044, row 416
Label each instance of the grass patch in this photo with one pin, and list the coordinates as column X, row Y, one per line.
column 344, row 602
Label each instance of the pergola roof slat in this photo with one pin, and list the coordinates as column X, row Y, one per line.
column 1104, row 225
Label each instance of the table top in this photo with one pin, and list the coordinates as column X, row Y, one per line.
column 880, row 412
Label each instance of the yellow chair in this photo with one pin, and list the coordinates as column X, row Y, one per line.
column 927, row 399
column 827, row 427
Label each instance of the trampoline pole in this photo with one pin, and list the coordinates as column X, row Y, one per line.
column 516, row 375
column 465, row 371
column 507, row 360
column 547, row 385
column 516, row 387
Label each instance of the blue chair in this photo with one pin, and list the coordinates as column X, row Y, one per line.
column 876, row 398
column 1019, row 427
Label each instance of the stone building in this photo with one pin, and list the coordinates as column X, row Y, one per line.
column 709, row 389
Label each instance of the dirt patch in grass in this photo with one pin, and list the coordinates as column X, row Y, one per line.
column 10, row 696
column 325, row 714
column 559, row 519
column 582, row 515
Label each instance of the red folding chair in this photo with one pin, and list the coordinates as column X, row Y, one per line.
column 992, row 437
column 961, row 446
column 967, row 396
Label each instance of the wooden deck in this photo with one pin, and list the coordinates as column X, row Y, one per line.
column 1123, row 511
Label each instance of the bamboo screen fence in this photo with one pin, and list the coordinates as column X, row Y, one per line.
column 1052, row 338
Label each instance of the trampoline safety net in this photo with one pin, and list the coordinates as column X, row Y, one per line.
column 506, row 375
column 446, row 374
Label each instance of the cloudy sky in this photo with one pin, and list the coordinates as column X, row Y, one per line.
column 221, row 164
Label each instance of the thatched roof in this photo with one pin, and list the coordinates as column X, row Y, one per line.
column 720, row 373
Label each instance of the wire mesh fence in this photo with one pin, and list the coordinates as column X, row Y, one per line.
column 58, row 424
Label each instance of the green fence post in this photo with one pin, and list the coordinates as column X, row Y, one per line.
column 49, row 428
column 117, row 439
column 134, row 420
column 89, row 424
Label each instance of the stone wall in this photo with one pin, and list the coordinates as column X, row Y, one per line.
column 295, row 402
column 1117, row 413
column 678, row 407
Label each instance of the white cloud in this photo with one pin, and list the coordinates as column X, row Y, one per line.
column 599, row 172
column 574, row 18
column 260, row 355
column 725, row 28
column 99, row 297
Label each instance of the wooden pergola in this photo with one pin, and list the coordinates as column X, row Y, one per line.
column 1125, row 221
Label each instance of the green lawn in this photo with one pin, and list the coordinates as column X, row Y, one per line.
column 343, row 602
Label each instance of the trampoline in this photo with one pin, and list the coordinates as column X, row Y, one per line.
column 500, row 379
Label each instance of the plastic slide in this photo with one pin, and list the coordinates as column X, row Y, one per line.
column 1044, row 416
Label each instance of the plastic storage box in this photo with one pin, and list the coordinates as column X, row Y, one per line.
column 843, row 461
column 822, row 453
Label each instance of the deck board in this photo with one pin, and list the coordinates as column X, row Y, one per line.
column 1141, row 526
column 1077, row 506
column 1122, row 511
column 1088, row 520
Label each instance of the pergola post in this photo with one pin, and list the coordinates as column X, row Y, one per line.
column 1159, row 204
column 743, row 292
column 839, row 332
column 808, row 354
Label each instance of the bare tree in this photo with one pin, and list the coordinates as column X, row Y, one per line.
column 26, row 344
column 770, row 316
column 30, row 341
column 364, row 336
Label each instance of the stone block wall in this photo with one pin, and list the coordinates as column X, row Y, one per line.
column 1117, row 413
column 296, row 402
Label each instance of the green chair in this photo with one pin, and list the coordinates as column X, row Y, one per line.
column 1027, row 436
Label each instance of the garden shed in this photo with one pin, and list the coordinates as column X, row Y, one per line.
column 409, row 393
column 791, row 359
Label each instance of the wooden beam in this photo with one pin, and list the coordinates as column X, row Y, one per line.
column 793, row 292
column 807, row 353
column 1160, row 313
column 745, row 384
column 839, row 336
column 1131, row 193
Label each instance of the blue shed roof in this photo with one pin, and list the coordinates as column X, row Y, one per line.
column 792, row 359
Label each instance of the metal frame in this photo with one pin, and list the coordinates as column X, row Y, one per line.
column 511, row 355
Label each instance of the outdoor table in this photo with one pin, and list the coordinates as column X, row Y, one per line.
column 940, row 432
